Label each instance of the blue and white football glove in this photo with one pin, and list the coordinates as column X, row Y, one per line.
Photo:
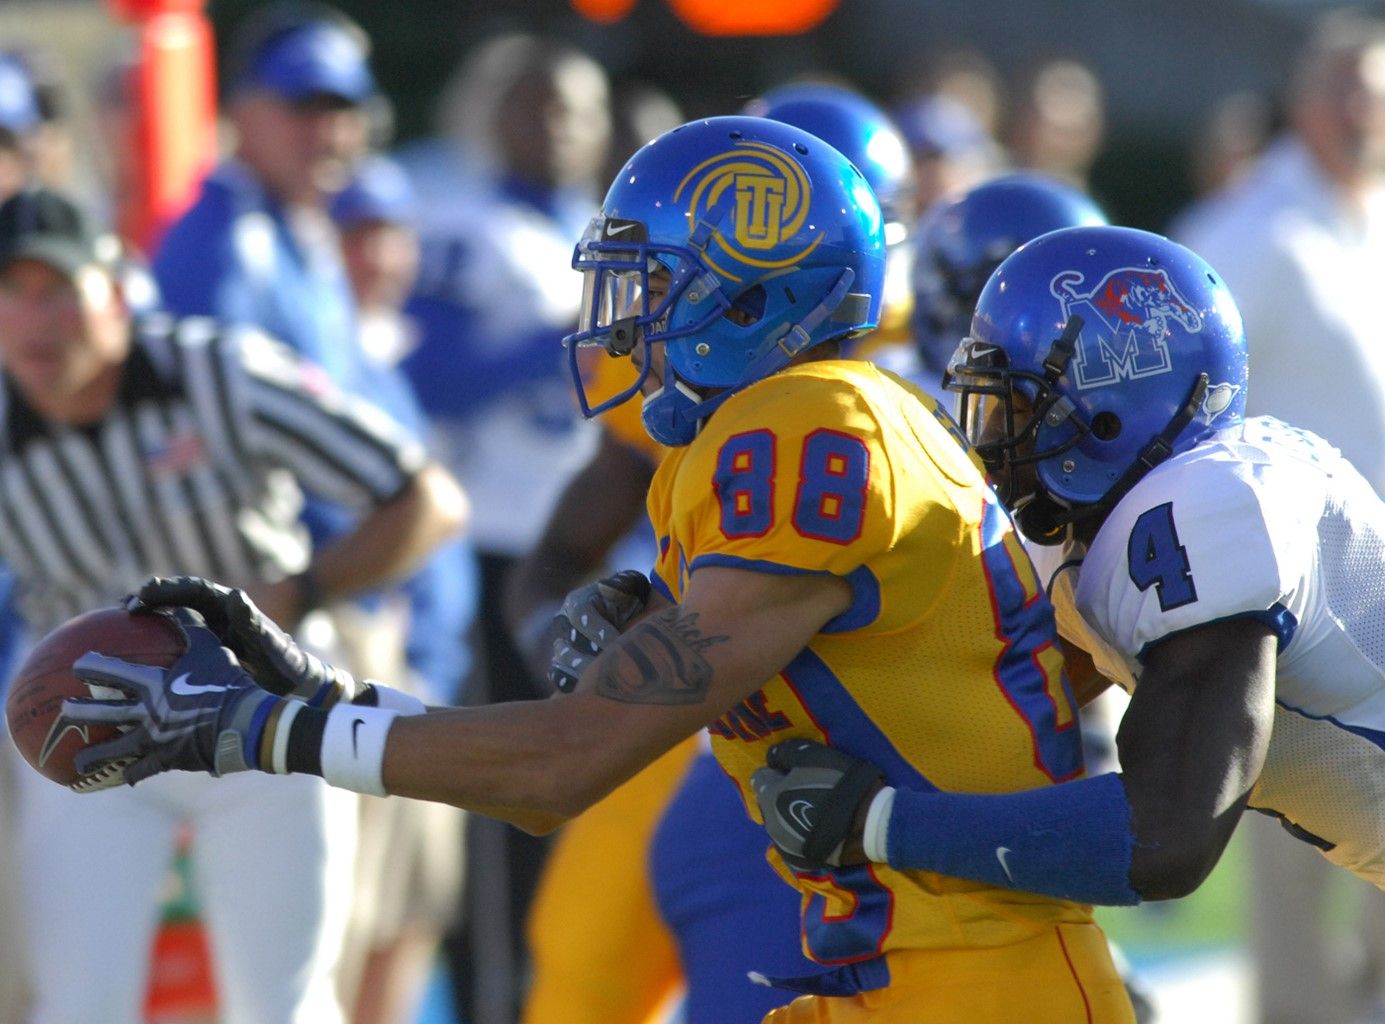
column 266, row 651
column 810, row 797
column 591, row 617
column 202, row 714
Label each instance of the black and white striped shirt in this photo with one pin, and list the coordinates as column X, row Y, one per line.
column 196, row 468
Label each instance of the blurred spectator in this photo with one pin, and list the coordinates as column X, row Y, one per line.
column 639, row 112
column 1231, row 137
column 376, row 215
column 22, row 121
column 961, row 74
column 259, row 247
column 1058, row 121
column 408, row 866
column 1300, row 240
column 951, row 150
column 19, row 124
column 53, row 143
column 504, row 194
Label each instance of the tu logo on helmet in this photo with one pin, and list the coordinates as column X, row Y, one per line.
column 759, row 210
column 1129, row 315
column 756, row 198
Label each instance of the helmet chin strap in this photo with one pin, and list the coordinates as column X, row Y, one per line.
column 666, row 414
column 1045, row 520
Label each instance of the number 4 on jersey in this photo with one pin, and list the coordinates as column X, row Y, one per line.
column 1158, row 560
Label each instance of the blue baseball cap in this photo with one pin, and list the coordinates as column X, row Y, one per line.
column 379, row 191
column 315, row 58
column 19, row 113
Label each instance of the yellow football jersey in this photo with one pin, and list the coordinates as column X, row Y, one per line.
column 944, row 672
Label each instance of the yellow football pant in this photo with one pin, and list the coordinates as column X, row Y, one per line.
column 601, row 953
column 1062, row 976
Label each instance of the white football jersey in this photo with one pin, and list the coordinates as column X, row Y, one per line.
column 1264, row 520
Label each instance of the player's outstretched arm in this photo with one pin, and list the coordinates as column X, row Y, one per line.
column 533, row 763
column 1192, row 744
column 671, row 673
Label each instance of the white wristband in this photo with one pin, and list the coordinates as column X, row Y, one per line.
column 353, row 747
column 878, row 826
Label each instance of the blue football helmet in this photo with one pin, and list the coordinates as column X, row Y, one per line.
column 962, row 239
column 1095, row 353
column 759, row 240
column 859, row 130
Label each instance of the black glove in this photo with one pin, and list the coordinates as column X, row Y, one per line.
column 202, row 714
column 809, row 796
column 591, row 617
column 267, row 652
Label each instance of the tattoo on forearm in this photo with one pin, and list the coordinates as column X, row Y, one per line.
column 659, row 662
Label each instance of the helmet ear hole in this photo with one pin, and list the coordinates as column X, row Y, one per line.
column 1106, row 426
column 748, row 307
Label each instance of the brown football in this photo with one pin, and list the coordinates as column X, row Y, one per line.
column 46, row 679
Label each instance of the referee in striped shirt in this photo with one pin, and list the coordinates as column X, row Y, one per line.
column 169, row 447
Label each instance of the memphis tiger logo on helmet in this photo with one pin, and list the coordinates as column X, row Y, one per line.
column 1136, row 307
column 1071, row 391
column 735, row 243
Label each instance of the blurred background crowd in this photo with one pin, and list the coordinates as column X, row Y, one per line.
column 394, row 191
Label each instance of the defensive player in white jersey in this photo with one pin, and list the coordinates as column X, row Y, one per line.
column 1225, row 571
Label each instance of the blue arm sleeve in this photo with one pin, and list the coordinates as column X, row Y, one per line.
column 1072, row 841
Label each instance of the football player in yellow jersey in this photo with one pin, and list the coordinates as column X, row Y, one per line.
column 708, row 908
column 832, row 567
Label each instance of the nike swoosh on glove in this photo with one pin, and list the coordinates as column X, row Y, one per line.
column 203, row 714
column 809, row 795
column 267, row 652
